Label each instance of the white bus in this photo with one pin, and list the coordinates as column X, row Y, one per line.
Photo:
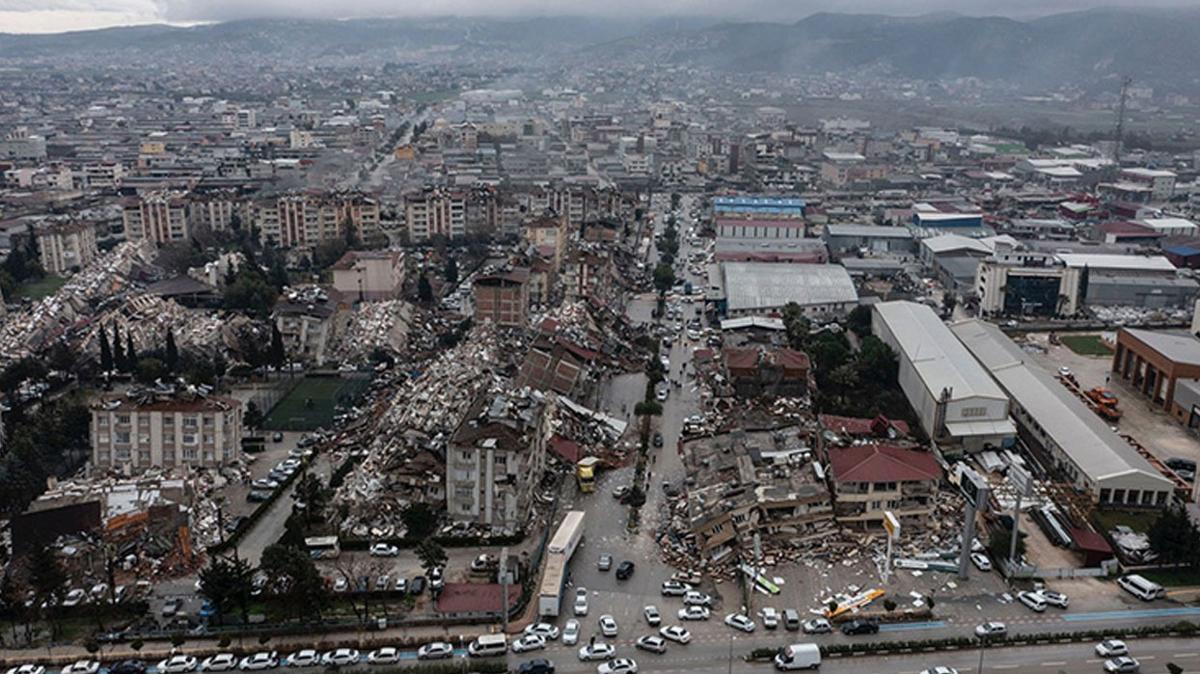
column 323, row 547
column 1141, row 588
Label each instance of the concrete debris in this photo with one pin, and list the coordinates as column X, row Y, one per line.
column 374, row 325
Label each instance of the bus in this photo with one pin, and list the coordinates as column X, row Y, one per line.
column 323, row 547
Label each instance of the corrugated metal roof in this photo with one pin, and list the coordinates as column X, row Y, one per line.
column 754, row 285
column 1102, row 261
column 1097, row 451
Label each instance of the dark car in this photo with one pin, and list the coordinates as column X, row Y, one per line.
column 536, row 666
column 128, row 667
column 624, row 570
column 417, row 585
column 658, row 441
column 855, row 627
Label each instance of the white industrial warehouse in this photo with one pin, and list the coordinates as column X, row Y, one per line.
column 762, row 288
column 958, row 404
column 1080, row 444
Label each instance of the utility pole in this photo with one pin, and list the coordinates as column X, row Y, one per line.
column 1120, row 130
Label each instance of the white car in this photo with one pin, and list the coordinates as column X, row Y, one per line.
column 991, row 629
column 653, row 617
column 341, row 585
column 1033, row 600
column 608, row 626
column 581, row 601
column 258, row 662
column 74, row 597
column 221, row 662
column 1055, row 598
column 529, row 642
column 570, row 633
column 940, row 670
column 304, row 658
column 1122, row 665
column 27, row 669
column 739, row 621
column 816, row 626
column 178, row 664
column 436, row 650
column 388, row 655
column 674, row 588
column 693, row 613
column 597, row 651
column 652, row 643
column 981, row 561
column 770, row 617
column 90, row 667
column 1111, row 648
column 384, row 550
column 676, row 633
column 545, row 630
column 694, row 598
column 618, row 666
column 341, row 657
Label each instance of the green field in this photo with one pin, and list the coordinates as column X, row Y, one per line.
column 313, row 403
column 1138, row 520
column 1086, row 345
column 1174, row 577
column 43, row 287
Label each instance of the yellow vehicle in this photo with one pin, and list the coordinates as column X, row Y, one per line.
column 585, row 474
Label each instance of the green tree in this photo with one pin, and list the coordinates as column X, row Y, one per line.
column 277, row 356
column 297, row 583
column 311, row 495
column 795, row 326
column 131, row 355
column 859, row 320
column 1175, row 538
column 149, row 370
column 227, row 584
column 119, row 349
column 451, row 272
column 252, row 417
column 48, row 580
column 250, row 292
column 420, row 519
column 431, row 555
column 171, row 353
column 106, row 356
column 424, row 290
column 664, row 277
column 889, row 605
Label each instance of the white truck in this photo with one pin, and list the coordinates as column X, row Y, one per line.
column 798, row 656
column 558, row 555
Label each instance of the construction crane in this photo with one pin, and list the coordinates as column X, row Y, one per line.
column 1120, row 130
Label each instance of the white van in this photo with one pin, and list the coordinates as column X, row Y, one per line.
column 798, row 656
column 488, row 645
column 1141, row 588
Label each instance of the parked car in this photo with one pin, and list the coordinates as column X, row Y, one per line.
column 384, row 550
column 608, row 626
column 342, row 657
column 1055, row 598
column 437, row 579
column 529, row 642
column 1110, row 648
column 857, row 627
column 92, row 667
column 981, row 561
column 1122, row 665
column 817, row 626
column 388, row 655
column 653, row 617
column 695, row 598
column 618, row 666
column 770, row 617
column 545, row 630
column 658, row 440
column 27, row 669
column 940, row 670
column 991, row 630
column 581, row 601
column 258, row 662
column 693, row 613
column 305, row 658
column 570, row 632
column 674, row 588
column 435, row 650
column 1033, row 600
column 740, row 621
column 676, row 633
column 652, row 643
column 123, row 667
column 597, row 651
column 417, row 585
column 178, row 664
column 625, row 570
column 605, row 562
column 536, row 666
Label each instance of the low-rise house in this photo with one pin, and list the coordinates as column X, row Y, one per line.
column 870, row 479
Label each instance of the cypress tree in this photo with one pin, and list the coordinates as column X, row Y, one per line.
column 131, row 357
column 172, row 353
column 106, row 357
column 118, row 349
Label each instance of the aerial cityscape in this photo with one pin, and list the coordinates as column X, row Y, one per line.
column 533, row 337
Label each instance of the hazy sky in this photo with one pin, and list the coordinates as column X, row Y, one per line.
column 45, row 16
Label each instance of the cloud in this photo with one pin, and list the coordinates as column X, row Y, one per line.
column 58, row 15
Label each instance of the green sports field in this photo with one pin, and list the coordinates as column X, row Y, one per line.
column 1086, row 345
column 313, row 403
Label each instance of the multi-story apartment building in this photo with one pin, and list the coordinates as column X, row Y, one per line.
column 870, row 479
column 302, row 220
column 309, row 319
column 502, row 297
column 496, row 458
column 434, row 213
column 160, row 217
column 66, row 246
column 369, row 275
column 159, row 429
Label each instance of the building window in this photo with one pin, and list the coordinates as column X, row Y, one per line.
column 1118, row 496
column 973, row 412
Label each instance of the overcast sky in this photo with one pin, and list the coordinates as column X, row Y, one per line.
column 48, row 16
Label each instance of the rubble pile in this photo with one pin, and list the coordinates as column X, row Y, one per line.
column 26, row 332
column 374, row 325
column 146, row 319
column 1140, row 315
column 415, row 423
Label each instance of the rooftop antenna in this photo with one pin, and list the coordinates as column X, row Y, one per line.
column 1120, row 130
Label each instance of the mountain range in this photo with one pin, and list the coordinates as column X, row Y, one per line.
column 1159, row 47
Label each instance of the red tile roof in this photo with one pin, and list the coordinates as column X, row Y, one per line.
column 882, row 463
column 567, row 448
column 474, row 598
